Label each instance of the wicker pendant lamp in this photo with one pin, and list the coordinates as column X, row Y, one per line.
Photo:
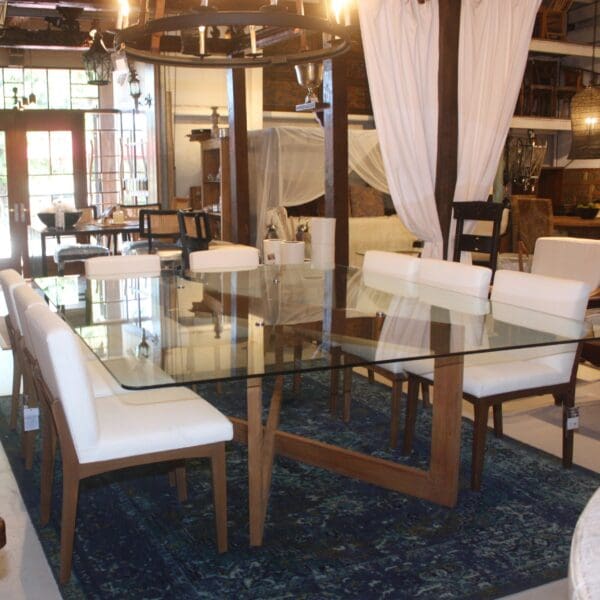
column 585, row 114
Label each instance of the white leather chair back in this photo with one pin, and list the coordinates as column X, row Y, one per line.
column 9, row 280
column 570, row 258
column 455, row 277
column 63, row 367
column 24, row 297
column 395, row 264
column 552, row 295
column 140, row 265
column 232, row 257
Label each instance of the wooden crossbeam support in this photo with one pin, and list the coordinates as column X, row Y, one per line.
column 335, row 125
column 159, row 12
column 447, row 153
column 238, row 156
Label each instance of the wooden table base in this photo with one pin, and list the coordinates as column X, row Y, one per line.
column 439, row 484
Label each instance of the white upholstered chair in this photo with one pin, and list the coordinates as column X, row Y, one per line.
column 388, row 272
column 495, row 377
column 25, row 296
column 97, row 435
column 140, row 265
column 232, row 257
column 569, row 258
column 10, row 280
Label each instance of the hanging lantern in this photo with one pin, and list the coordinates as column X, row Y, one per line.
column 585, row 113
column 97, row 62
column 134, row 87
column 585, row 124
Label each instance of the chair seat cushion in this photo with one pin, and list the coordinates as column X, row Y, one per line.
column 483, row 380
column 158, row 420
column 79, row 252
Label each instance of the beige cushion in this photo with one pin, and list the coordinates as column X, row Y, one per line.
column 137, row 264
column 234, row 257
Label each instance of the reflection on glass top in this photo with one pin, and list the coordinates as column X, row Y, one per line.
column 152, row 331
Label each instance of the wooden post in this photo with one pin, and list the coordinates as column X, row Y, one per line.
column 447, row 152
column 238, row 157
column 335, row 125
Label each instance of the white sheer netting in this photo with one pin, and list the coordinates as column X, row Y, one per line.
column 287, row 167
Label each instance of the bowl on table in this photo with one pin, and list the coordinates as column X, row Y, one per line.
column 49, row 218
column 586, row 212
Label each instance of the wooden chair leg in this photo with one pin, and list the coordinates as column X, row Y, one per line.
column 28, row 448
column 219, row 482
column 16, row 389
column 334, row 381
column 371, row 375
column 47, row 468
column 182, row 492
column 411, row 415
column 568, row 401
column 395, row 417
column 347, row 393
column 482, row 410
column 297, row 377
column 172, row 478
column 498, row 427
column 67, row 527
column 558, row 399
column 425, row 394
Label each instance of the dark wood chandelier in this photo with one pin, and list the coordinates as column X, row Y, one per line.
column 208, row 37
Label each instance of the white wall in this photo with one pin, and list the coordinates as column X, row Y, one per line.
column 195, row 91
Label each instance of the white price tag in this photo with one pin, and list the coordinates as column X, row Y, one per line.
column 31, row 418
column 572, row 423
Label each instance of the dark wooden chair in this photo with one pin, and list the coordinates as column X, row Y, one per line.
column 485, row 237
column 552, row 19
column 194, row 233
column 159, row 233
column 572, row 82
column 532, row 218
column 542, row 89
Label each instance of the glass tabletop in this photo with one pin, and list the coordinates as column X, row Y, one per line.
column 157, row 331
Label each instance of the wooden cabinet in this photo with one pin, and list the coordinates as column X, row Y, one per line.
column 215, row 194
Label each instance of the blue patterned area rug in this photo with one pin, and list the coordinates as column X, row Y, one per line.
column 326, row 536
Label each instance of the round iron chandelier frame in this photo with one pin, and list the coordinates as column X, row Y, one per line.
column 131, row 38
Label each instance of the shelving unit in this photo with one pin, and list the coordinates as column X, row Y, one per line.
column 215, row 186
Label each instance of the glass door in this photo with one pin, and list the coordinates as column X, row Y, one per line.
column 42, row 161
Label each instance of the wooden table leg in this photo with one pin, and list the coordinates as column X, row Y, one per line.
column 261, row 452
column 255, row 443
column 445, row 429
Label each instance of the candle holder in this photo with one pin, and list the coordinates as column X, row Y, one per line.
column 310, row 76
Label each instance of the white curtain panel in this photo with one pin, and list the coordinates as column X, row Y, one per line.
column 493, row 48
column 400, row 40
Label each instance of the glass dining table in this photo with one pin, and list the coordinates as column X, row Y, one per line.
column 152, row 332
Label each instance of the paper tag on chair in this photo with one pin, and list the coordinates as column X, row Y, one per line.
column 31, row 418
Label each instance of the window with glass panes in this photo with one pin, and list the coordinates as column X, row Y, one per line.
column 53, row 88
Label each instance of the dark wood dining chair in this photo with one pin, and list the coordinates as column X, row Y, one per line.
column 484, row 239
column 194, row 233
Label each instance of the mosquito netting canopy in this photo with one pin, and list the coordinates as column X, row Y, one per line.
column 287, row 168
